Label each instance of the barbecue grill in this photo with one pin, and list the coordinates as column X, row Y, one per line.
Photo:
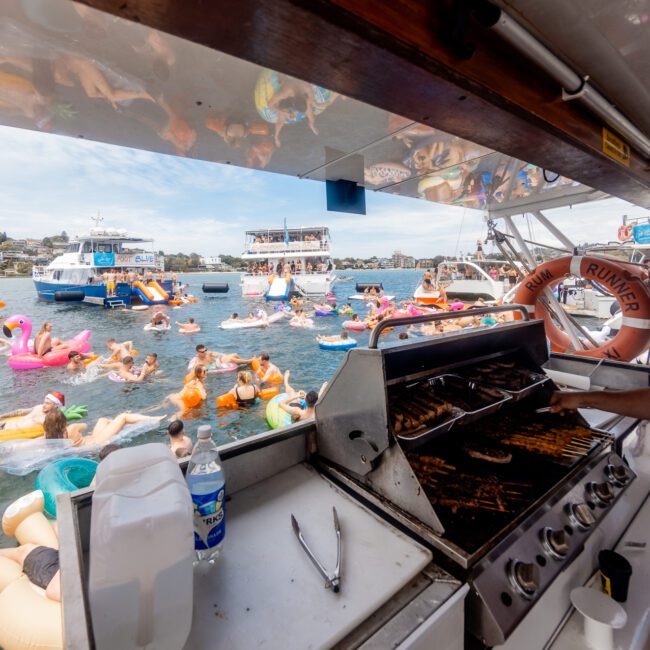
column 442, row 436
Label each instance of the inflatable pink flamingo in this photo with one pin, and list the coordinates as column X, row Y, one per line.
column 23, row 356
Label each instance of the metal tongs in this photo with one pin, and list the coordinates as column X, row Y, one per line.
column 333, row 581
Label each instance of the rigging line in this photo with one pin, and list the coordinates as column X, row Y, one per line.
column 460, row 230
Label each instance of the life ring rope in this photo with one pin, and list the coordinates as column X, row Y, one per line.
column 621, row 279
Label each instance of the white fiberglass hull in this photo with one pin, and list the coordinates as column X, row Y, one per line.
column 473, row 289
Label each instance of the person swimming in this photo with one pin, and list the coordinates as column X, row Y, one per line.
column 244, row 391
column 128, row 372
column 75, row 362
column 159, row 319
column 150, row 365
column 177, row 438
column 212, row 358
column 188, row 328
column 56, row 427
column 196, row 382
column 119, row 350
column 268, row 372
column 341, row 338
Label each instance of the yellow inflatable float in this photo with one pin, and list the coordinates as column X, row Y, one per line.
column 29, row 620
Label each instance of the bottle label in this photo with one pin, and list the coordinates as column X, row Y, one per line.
column 209, row 519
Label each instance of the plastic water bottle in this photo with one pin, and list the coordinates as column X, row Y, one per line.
column 207, row 484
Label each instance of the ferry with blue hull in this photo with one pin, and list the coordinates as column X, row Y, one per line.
column 107, row 268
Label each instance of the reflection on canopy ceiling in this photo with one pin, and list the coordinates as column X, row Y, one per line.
column 71, row 70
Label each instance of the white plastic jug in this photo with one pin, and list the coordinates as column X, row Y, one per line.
column 141, row 551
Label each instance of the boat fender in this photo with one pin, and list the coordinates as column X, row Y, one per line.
column 624, row 283
column 69, row 296
column 216, row 287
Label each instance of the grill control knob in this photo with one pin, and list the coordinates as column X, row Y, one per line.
column 555, row 542
column 524, row 577
column 617, row 474
column 601, row 492
column 580, row 515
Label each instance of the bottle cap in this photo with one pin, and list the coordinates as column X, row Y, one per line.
column 204, row 431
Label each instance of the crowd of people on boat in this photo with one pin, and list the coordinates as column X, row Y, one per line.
column 285, row 266
column 111, row 277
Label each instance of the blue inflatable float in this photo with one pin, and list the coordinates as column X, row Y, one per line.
column 333, row 312
column 65, row 475
column 337, row 345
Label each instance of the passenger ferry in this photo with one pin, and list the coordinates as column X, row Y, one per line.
column 306, row 251
column 77, row 274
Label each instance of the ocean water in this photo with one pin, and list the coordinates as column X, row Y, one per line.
column 292, row 348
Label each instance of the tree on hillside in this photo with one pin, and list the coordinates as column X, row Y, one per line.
column 3, row 237
column 64, row 236
column 47, row 242
column 195, row 260
column 229, row 260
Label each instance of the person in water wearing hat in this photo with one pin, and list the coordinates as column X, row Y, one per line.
column 52, row 402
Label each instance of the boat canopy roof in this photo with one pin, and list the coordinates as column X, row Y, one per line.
column 154, row 97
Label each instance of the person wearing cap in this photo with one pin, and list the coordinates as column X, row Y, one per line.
column 52, row 402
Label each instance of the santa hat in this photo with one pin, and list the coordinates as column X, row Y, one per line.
column 56, row 398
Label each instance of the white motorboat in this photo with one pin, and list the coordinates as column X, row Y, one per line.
column 306, row 251
column 466, row 278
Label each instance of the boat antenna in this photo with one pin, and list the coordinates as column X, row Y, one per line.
column 98, row 219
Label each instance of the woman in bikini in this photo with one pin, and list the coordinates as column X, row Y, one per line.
column 44, row 343
column 56, row 427
column 245, row 391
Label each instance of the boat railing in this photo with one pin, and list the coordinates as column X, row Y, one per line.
column 293, row 246
column 38, row 272
column 293, row 273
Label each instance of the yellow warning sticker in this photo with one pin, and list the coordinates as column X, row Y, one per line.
column 616, row 148
column 607, row 584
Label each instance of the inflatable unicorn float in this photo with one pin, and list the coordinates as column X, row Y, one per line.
column 23, row 356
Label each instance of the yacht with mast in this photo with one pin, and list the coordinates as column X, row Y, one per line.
column 286, row 261
column 77, row 275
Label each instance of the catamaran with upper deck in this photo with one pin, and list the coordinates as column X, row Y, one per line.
column 77, row 274
column 306, row 251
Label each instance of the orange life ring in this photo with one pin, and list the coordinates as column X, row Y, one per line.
column 625, row 232
column 623, row 281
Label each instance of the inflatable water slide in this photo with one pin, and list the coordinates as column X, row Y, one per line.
column 280, row 288
column 151, row 293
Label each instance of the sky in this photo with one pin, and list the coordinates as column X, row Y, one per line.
column 52, row 183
